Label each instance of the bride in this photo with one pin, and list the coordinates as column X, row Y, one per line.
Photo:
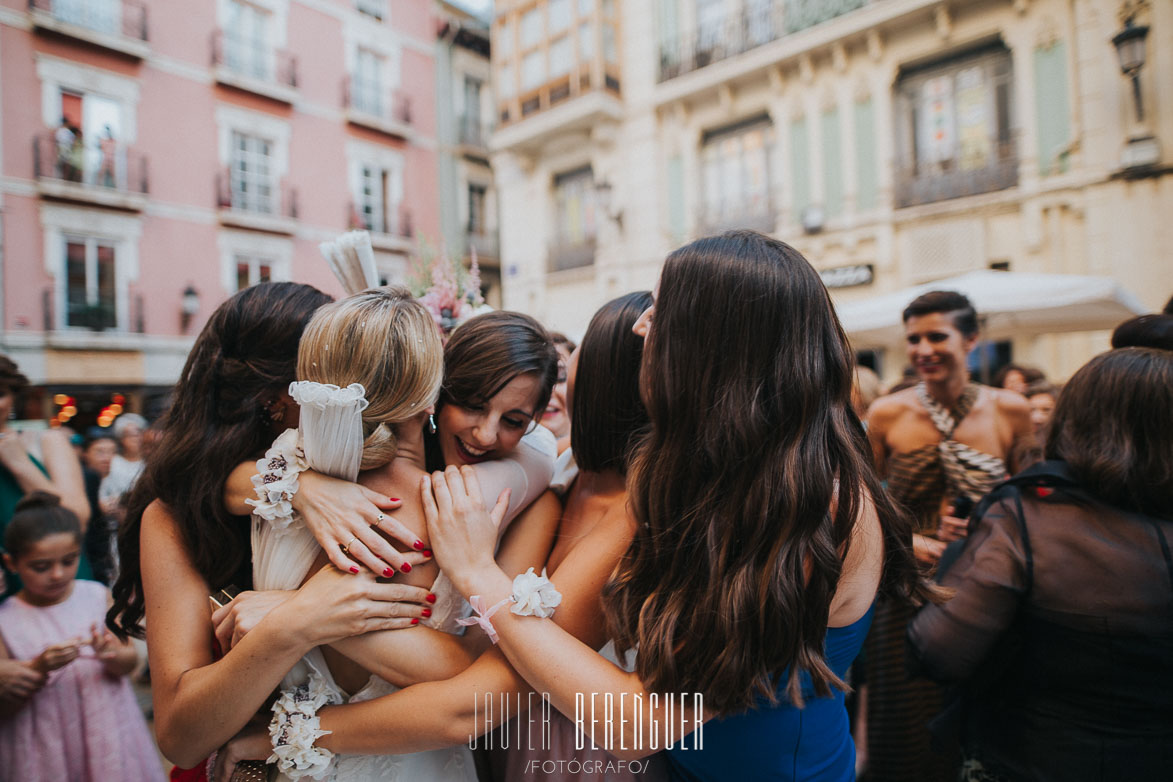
column 370, row 368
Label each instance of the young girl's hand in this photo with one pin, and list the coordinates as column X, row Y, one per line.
column 57, row 655
column 117, row 657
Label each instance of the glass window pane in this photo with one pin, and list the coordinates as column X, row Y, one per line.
column 504, row 40
column 106, row 286
column 560, row 57
column 531, row 28
column 241, row 274
column 533, row 72
column 610, row 53
column 586, row 7
column 586, row 42
column 559, row 15
column 264, row 273
column 75, row 283
column 505, row 81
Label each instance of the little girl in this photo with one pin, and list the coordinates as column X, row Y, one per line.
column 84, row 723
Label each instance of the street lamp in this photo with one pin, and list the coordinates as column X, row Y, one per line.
column 189, row 306
column 603, row 199
column 1130, row 49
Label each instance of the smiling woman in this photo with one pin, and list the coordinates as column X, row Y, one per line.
column 499, row 370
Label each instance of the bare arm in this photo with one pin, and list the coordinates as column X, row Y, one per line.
column 422, row 654
column 64, row 480
column 200, row 703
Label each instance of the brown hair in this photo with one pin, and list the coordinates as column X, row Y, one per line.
column 606, row 387
column 1029, row 375
column 245, row 354
column 38, row 515
column 385, row 340
column 1145, row 331
column 1113, row 425
column 747, row 378
column 11, row 378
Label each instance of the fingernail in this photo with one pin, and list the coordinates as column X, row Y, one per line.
column 426, row 612
column 418, row 545
column 406, row 568
column 393, row 499
column 415, row 621
column 353, row 569
column 430, row 598
column 427, row 552
column 389, row 572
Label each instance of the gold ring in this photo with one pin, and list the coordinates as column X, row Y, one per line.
column 379, row 521
column 349, row 543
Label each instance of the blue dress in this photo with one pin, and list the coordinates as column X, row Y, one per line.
column 781, row 742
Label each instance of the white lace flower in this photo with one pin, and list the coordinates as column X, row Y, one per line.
column 276, row 481
column 534, row 595
column 295, row 728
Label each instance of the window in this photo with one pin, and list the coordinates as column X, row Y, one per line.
column 735, row 176
column 954, row 128
column 375, row 8
column 575, row 226
column 472, row 101
column 246, row 40
column 103, row 16
column 90, row 283
column 367, row 83
column 250, row 270
column 477, row 224
column 251, row 173
column 373, row 198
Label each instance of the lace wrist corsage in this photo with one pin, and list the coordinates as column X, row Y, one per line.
column 276, row 481
column 295, row 728
column 533, row 595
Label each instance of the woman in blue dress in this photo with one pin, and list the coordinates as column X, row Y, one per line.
column 760, row 535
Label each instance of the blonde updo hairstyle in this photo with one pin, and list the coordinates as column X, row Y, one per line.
column 385, row 340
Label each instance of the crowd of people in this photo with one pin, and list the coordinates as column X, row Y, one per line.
column 419, row 543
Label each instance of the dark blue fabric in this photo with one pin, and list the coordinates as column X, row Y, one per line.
column 781, row 742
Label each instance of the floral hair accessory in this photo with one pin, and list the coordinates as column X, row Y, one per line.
column 451, row 293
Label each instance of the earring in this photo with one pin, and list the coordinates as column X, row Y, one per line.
column 431, row 424
column 276, row 414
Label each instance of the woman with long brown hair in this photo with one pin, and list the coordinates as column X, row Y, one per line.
column 759, row 538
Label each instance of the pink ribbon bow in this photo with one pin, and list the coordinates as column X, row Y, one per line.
column 482, row 616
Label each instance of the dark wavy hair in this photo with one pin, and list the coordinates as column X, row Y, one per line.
column 1113, row 425
column 749, row 484
column 484, row 354
column 246, row 354
column 606, row 387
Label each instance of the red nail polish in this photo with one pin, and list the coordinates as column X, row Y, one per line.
column 393, row 499
column 430, row 598
column 419, row 544
column 415, row 621
column 406, row 568
column 353, row 569
column 427, row 552
column 426, row 612
column 389, row 572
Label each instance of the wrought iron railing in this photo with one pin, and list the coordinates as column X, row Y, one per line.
column 243, row 57
column 65, row 155
column 368, row 97
column 255, row 195
column 390, row 221
column 564, row 254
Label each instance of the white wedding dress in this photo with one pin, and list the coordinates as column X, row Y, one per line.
column 282, row 556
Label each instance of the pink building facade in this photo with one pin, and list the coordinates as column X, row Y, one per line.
column 157, row 157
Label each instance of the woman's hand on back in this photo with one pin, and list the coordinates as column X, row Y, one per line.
column 344, row 514
column 333, row 605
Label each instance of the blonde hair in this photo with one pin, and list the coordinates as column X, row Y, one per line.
column 387, row 341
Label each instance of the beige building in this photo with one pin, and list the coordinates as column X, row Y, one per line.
column 893, row 142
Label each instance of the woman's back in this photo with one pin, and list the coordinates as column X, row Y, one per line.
column 1063, row 629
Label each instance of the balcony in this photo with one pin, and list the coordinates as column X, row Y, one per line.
column 565, row 254
column 472, row 135
column 256, row 203
column 117, row 25
column 241, row 63
column 104, row 173
column 103, row 315
column 390, row 228
column 486, row 245
column 370, row 106
column 757, row 215
column 924, row 184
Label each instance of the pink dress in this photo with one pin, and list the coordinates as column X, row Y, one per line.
column 84, row 725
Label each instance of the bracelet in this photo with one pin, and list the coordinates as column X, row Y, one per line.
column 295, row 728
column 276, row 480
column 533, row 595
